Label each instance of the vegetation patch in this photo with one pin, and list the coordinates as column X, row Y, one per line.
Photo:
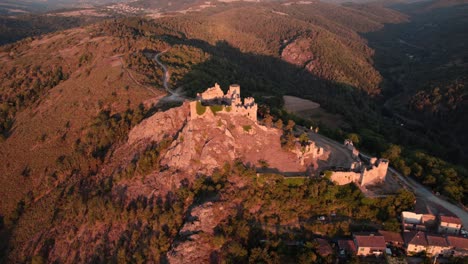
column 228, row 108
column 294, row 181
column 247, row 128
column 200, row 108
column 216, row 108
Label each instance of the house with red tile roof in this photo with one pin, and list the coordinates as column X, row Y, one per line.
column 415, row 242
column 324, row 249
column 437, row 245
column 418, row 222
column 392, row 238
column 449, row 225
column 346, row 247
column 371, row 244
column 459, row 246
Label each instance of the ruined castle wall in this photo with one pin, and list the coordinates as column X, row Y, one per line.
column 376, row 173
column 234, row 91
column 344, row 177
column 250, row 112
column 237, row 107
column 212, row 93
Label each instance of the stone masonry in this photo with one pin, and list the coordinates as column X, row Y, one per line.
column 230, row 103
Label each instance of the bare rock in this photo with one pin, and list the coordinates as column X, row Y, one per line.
column 159, row 125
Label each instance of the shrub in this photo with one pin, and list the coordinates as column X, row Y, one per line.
column 228, row 108
column 247, row 128
column 216, row 108
column 200, row 108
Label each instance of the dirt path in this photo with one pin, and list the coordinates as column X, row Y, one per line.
column 174, row 94
column 130, row 75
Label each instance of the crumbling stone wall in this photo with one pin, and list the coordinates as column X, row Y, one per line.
column 231, row 103
column 361, row 174
column 344, row 177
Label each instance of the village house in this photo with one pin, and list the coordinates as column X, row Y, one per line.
column 419, row 222
column 415, row 242
column 324, row 249
column 449, row 225
column 371, row 244
column 458, row 245
column 392, row 238
column 346, row 247
column 437, row 245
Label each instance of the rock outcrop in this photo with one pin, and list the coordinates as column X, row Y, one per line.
column 207, row 143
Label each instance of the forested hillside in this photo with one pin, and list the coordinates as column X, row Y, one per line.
column 75, row 190
column 425, row 65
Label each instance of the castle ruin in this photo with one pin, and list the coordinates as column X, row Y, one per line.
column 217, row 101
column 308, row 150
column 360, row 172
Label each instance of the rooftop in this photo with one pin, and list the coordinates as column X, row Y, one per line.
column 347, row 244
column 391, row 236
column 458, row 242
column 434, row 240
column 450, row 219
column 373, row 241
column 324, row 248
column 415, row 238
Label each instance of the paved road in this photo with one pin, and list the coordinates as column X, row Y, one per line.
column 418, row 189
column 339, row 156
column 421, row 191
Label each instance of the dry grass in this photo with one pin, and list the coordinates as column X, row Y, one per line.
column 311, row 110
column 48, row 129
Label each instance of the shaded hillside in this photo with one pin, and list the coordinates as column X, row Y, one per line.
column 15, row 28
column 426, row 62
column 338, row 52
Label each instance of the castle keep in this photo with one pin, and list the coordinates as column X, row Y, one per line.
column 231, row 102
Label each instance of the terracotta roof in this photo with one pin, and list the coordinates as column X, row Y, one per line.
column 393, row 237
column 434, row 240
column 372, row 241
column 324, row 248
column 415, row 238
column 347, row 245
column 450, row 219
column 458, row 242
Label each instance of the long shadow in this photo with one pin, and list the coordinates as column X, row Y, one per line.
column 418, row 55
column 268, row 78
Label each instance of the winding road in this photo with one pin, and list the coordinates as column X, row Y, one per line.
column 427, row 195
column 174, row 95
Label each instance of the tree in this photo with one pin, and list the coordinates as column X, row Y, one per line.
column 392, row 153
column 279, row 124
column 354, row 138
column 304, row 138
column 290, row 125
column 268, row 120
